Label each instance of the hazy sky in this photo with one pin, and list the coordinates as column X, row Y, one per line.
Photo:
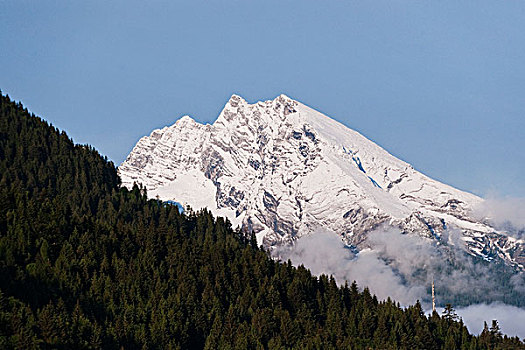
column 440, row 84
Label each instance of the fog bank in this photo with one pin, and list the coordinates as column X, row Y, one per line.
column 403, row 266
column 510, row 318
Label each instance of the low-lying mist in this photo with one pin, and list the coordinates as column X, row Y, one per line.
column 510, row 318
column 403, row 266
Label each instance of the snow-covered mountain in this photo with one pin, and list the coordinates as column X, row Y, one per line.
column 284, row 170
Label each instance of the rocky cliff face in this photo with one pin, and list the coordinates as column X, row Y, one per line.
column 284, row 170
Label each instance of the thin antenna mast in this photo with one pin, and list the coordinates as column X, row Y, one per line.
column 433, row 297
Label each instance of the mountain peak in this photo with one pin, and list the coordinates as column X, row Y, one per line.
column 238, row 111
column 185, row 119
column 236, row 100
column 285, row 98
column 283, row 170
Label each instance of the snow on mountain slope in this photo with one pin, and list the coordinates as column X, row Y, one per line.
column 283, row 170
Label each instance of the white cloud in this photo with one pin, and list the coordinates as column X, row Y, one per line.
column 502, row 211
column 510, row 318
column 324, row 252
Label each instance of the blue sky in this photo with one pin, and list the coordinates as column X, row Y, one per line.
column 440, row 84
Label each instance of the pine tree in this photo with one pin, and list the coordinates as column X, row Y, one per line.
column 449, row 314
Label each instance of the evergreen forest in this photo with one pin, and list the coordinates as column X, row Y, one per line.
column 87, row 264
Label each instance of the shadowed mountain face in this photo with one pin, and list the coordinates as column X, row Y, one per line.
column 284, row 170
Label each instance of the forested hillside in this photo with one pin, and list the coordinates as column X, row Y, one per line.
column 87, row 264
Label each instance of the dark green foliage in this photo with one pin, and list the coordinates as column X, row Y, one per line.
column 86, row 264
